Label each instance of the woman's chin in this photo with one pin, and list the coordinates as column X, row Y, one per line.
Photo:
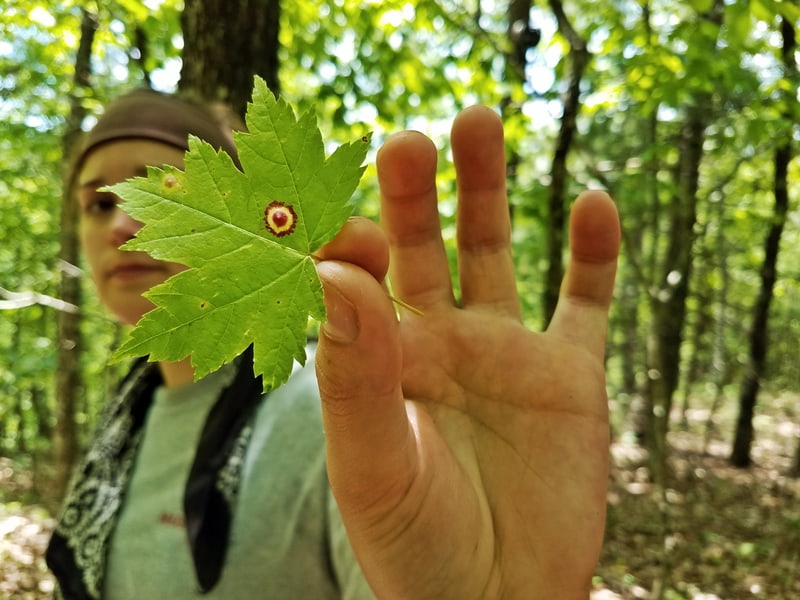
column 131, row 311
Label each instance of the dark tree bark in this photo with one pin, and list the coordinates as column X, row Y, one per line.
column 522, row 37
column 579, row 57
column 225, row 45
column 521, row 34
column 69, row 383
column 139, row 53
column 794, row 471
column 748, row 395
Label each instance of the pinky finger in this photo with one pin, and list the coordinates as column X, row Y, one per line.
column 588, row 286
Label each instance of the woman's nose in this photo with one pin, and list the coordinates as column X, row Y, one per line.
column 123, row 227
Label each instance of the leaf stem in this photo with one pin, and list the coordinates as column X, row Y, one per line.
column 407, row 306
column 394, row 299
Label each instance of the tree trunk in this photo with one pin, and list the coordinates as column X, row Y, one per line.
column 633, row 285
column 794, row 471
column 225, row 45
column 740, row 454
column 644, row 266
column 700, row 327
column 669, row 303
column 579, row 57
column 68, row 378
column 522, row 37
column 719, row 358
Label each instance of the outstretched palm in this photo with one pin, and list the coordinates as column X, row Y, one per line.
column 468, row 455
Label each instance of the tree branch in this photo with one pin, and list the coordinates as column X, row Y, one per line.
column 15, row 300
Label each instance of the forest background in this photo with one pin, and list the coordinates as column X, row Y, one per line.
column 687, row 112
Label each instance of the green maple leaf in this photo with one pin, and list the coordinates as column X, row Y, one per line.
column 245, row 284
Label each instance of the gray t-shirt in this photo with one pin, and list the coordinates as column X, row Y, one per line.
column 287, row 539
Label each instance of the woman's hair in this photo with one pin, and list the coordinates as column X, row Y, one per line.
column 166, row 118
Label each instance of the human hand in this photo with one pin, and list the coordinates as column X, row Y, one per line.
column 468, row 455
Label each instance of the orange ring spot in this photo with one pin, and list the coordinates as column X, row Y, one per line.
column 280, row 218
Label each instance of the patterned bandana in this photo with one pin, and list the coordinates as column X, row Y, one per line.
column 79, row 546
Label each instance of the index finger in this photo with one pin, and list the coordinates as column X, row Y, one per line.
column 419, row 270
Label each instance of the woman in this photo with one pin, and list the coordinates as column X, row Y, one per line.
column 467, row 455
column 184, row 478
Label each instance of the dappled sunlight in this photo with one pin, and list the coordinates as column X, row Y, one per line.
column 24, row 533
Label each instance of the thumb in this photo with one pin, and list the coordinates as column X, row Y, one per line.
column 359, row 364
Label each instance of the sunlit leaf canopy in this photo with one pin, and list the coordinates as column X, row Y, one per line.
column 389, row 65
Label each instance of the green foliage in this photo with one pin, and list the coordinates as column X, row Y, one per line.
column 215, row 219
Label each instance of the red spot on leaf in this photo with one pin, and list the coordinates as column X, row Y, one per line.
column 280, row 218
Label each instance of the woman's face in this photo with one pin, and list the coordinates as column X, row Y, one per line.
column 121, row 276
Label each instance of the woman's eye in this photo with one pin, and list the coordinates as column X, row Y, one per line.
column 99, row 203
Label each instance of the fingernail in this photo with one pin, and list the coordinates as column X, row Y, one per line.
column 342, row 319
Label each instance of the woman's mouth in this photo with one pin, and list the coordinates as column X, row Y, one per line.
column 129, row 271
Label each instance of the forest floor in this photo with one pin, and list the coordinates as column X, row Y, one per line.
column 713, row 533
